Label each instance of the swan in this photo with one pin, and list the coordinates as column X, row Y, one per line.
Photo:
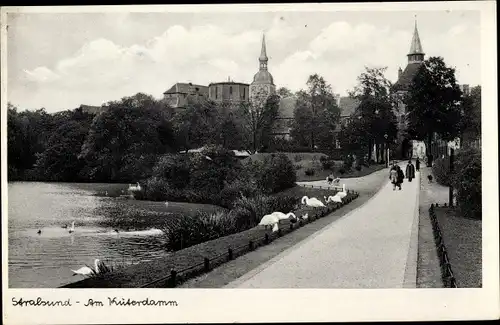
column 39, row 232
column 312, row 202
column 283, row 216
column 275, row 227
column 305, row 216
column 268, row 220
column 166, row 204
column 87, row 270
column 343, row 193
column 72, row 229
column 134, row 188
column 335, row 198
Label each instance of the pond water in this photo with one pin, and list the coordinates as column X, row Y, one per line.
column 45, row 259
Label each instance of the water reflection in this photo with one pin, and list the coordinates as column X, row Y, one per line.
column 46, row 259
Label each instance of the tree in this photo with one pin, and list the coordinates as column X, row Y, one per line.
column 197, row 124
column 228, row 130
column 257, row 119
column 433, row 103
column 123, row 141
column 375, row 117
column 470, row 123
column 284, row 92
column 316, row 114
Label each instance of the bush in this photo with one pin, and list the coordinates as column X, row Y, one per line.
column 467, row 182
column 236, row 190
column 309, row 171
column 297, row 158
column 348, row 162
column 326, row 163
column 275, row 173
column 358, row 168
column 185, row 231
column 441, row 170
column 342, row 171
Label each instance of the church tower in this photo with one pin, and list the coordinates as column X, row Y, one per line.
column 263, row 83
column 416, row 54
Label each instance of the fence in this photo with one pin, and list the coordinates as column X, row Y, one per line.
column 337, row 188
column 449, row 280
column 176, row 276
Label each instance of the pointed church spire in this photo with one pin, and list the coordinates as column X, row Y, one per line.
column 416, row 53
column 263, row 54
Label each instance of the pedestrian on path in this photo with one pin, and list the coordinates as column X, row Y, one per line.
column 417, row 164
column 410, row 171
column 393, row 176
column 401, row 176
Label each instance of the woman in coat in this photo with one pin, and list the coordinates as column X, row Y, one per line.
column 410, row 171
column 401, row 177
column 417, row 164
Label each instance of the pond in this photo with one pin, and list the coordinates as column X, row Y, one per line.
column 42, row 251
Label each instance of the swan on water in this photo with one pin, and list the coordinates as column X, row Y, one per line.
column 39, row 231
column 166, row 204
column 87, row 270
column 312, row 202
column 72, row 229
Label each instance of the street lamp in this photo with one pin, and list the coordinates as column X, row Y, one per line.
column 387, row 148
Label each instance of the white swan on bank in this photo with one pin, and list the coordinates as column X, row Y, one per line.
column 305, row 216
column 343, row 193
column 87, row 270
column 135, row 188
column 283, row 216
column 334, row 198
column 312, row 202
column 72, row 229
column 270, row 220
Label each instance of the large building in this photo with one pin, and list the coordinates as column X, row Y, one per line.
column 401, row 87
column 229, row 91
column 179, row 94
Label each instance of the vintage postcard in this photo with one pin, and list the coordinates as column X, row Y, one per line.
column 160, row 163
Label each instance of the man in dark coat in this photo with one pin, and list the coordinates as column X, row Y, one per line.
column 410, row 171
column 401, row 176
column 417, row 164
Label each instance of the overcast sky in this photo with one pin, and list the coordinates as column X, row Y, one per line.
column 59, row 61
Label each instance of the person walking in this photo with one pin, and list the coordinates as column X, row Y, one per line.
column 401, row 176
column 417, row 164
column 410, row 171
column 393, row 176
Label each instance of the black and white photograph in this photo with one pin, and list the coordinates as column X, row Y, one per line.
column 248, row 146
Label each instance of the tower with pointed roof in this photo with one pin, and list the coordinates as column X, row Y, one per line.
column 416, row 57
column 262, row 85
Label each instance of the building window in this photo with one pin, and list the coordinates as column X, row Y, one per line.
column 216, row 92
column 243, row 93
column 230, row 90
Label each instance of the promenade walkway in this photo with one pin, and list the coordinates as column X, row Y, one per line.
column 374, row 246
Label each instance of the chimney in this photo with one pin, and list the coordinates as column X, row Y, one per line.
column 400, row 72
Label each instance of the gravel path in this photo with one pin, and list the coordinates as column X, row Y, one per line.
column 374, row 246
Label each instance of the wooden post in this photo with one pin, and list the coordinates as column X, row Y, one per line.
column 450, row 189
column 279, row 232
column 266, row 238
column 173, row 278
column 250, row 245
column 206, row 263
column 291, row 226
column 230, row 253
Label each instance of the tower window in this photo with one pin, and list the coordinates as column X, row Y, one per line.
column 243, row 93
column 230, row 90
column 216, row 92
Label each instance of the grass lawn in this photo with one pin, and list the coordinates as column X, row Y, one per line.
column 462, row 238
column 216, row 250
column 321, row 174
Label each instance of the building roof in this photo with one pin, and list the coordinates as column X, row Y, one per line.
column 187, row 88
column 406, row 78
column 263, row 77
column 228, row 83
column 92, row 109
column 348, row 106
column 416, row 46
column 287, row 107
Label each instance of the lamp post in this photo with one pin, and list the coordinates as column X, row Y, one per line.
column 387, row 148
